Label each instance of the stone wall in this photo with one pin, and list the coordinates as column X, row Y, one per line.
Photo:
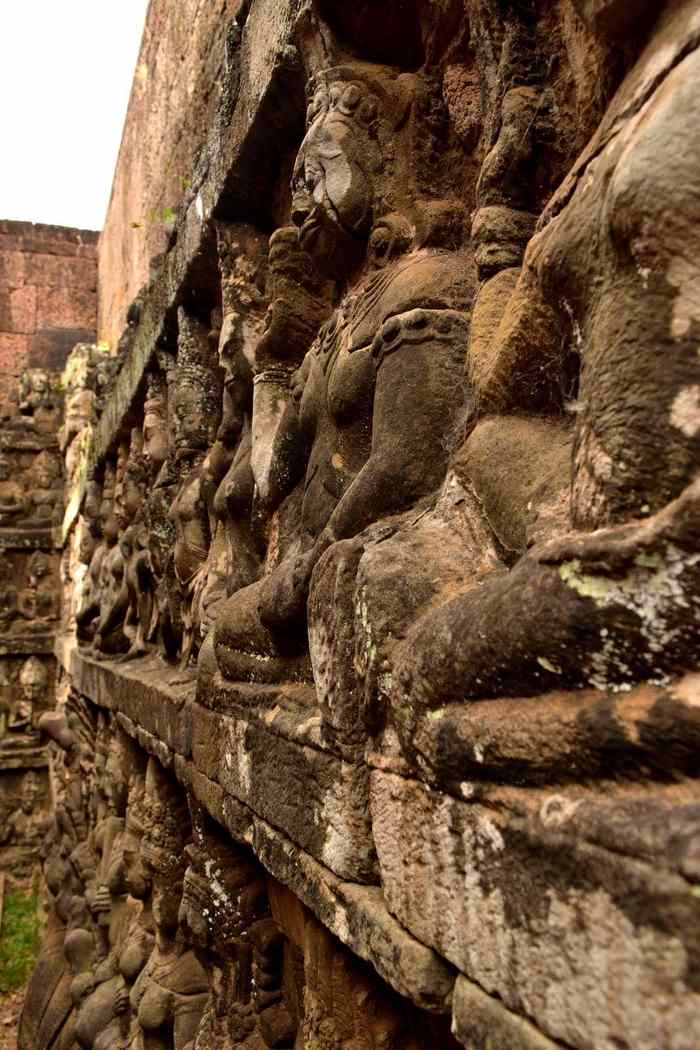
column 182, row 73
column 48, row 302
column 48, row 297
column 379, row 637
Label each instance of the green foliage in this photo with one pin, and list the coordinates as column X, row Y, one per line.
column 19, row 938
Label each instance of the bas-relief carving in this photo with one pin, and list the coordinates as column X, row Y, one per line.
column 27, row 821
column 382, row 388
column 454, row 459
column 610, row 601
column 195, row 405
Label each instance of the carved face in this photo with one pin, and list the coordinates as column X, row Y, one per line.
column 115, row 787
column 332, row 187
column 155, row 439
column 137, row 874
column 132, row 498
column 32, row 691
column 167, row 893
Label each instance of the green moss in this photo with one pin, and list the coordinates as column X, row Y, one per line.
column 19, row 938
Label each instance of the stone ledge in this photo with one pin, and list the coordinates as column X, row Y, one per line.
column 591, row 893
column 317, row 799
column 481, row 1022
column 22, row 757
column 356, row 914
column 22, row 539
column 42, row 644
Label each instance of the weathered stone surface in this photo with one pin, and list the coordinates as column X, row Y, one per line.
column 381, row 550
column 536, row 897
column 560, row 736
column 481, row 1022
column 48, row 291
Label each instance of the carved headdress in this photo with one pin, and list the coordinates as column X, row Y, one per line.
column 224, row 886
column 167, row 823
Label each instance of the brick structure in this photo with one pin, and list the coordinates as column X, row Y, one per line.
column 48, row 296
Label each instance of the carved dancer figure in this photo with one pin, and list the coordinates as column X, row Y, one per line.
column 170, row 994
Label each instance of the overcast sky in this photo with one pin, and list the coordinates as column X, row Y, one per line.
column 66, row 68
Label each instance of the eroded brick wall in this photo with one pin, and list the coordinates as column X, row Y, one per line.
column 48, row 296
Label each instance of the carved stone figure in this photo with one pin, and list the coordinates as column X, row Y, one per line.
column 38, row 600
column 161, row 492
column 224, row 900
column 579, row 608
column 45, row 490
column 171, row 991
column 113, row 595
column 8, row 596
column 40, row 400
column 98, row 512
column 234, row 557
column 300, row 300
column 33, row 681
column 26, row 825
column 381, row 391
column 134, row 545
column 13, row 495
column 196, row 409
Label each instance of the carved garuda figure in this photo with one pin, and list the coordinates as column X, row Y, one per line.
column 195, row 396
column 611, row 273
column 234, row 556
column 381, row 391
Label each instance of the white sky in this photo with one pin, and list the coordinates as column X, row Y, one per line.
column 66, row 68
